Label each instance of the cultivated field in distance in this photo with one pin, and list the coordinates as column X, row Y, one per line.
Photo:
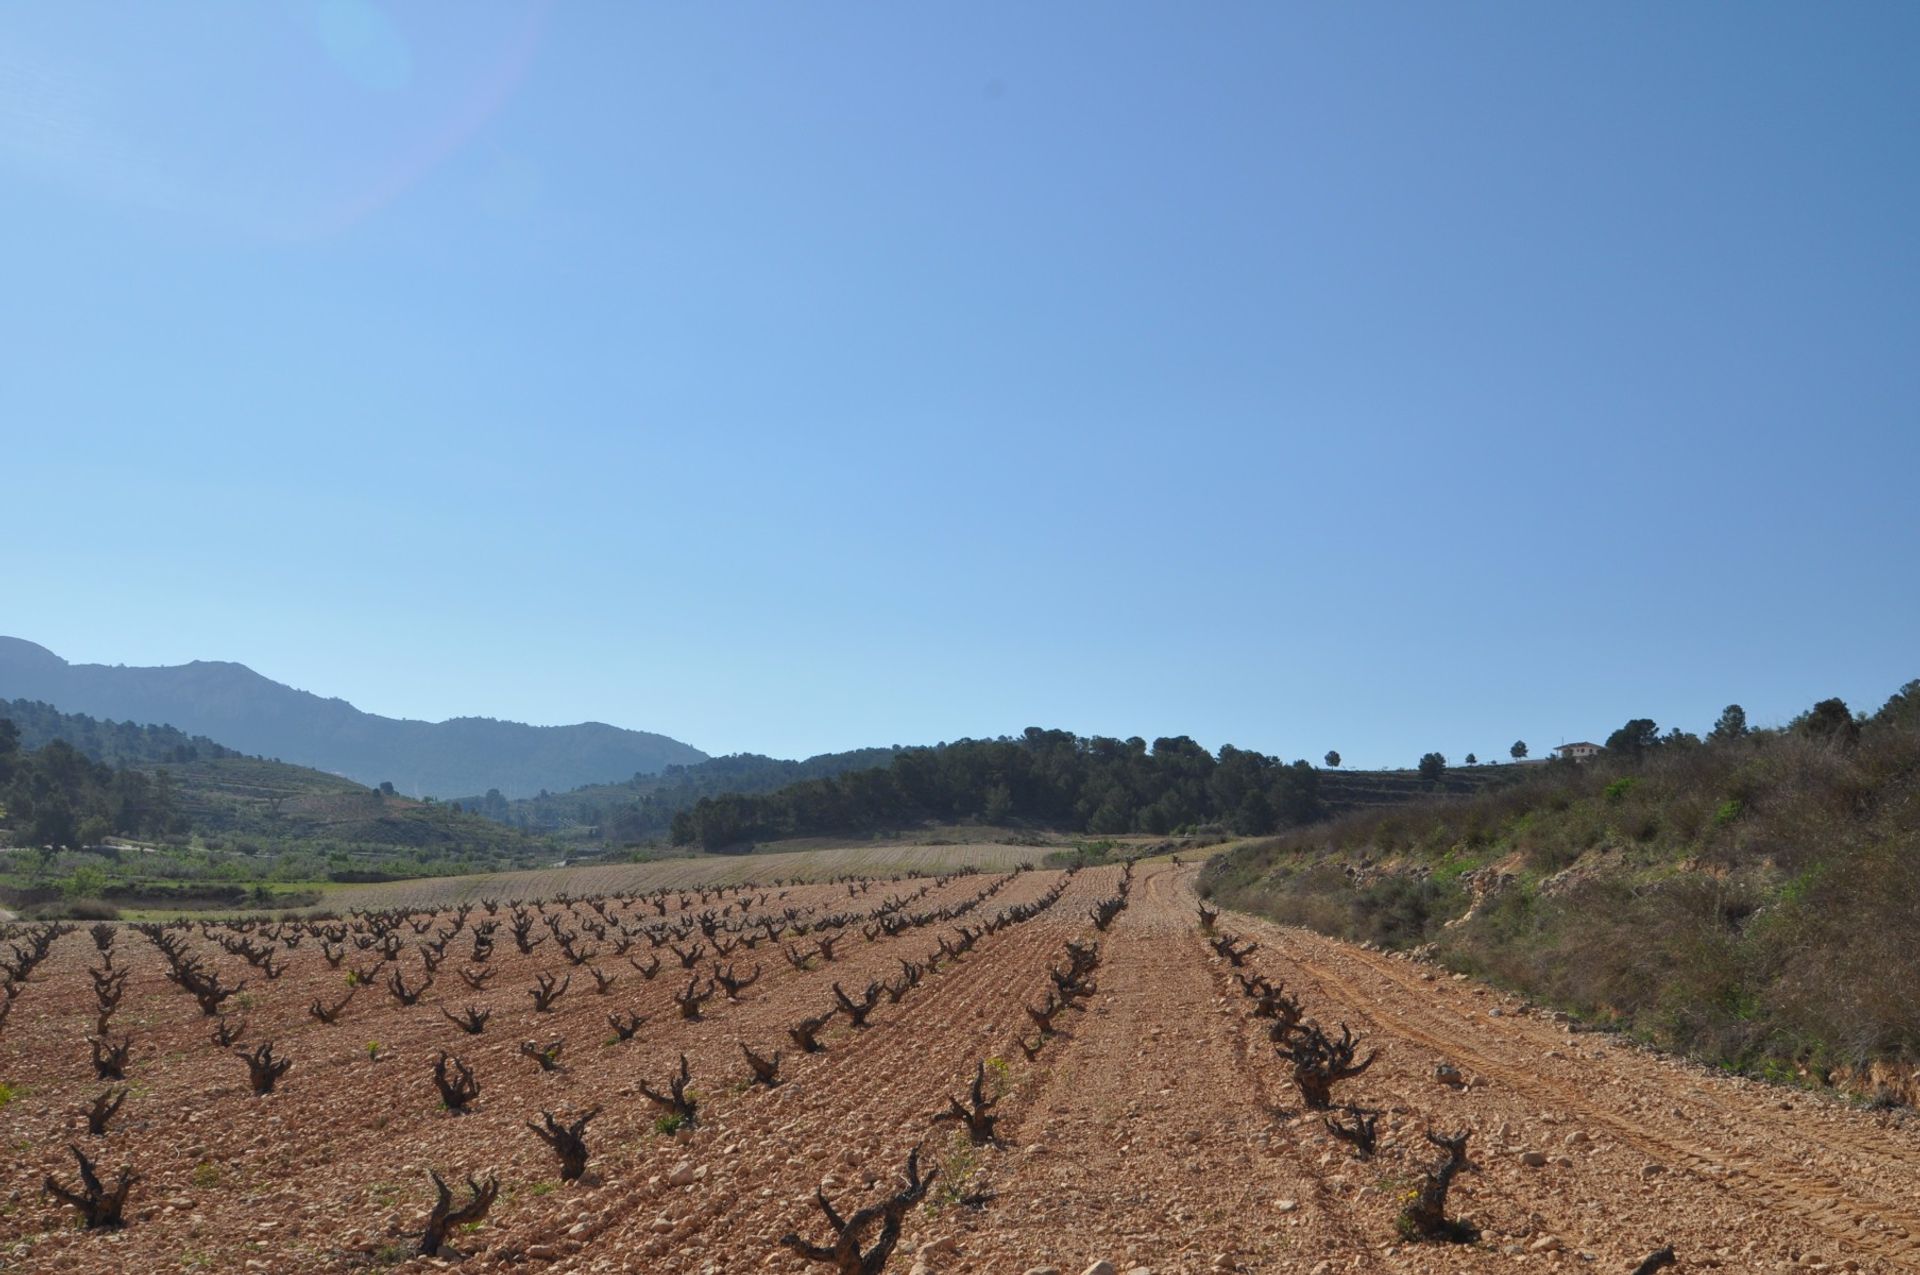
column 692, row 872
column 985, row 1072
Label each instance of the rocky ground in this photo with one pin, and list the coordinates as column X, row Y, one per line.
column 1155, row 1131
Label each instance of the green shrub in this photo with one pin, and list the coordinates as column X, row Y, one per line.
column 1755, row 903
column 1400, row 911
column 1001, row 1076
column 87, row 882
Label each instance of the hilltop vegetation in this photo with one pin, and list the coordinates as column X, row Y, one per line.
column 1057, row 780
column 57, row 796
column 1047, row 778
column 1752, row 897
column 643, row 808
column 112, row 743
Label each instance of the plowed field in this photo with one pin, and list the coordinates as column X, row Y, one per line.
column 1154, row 1128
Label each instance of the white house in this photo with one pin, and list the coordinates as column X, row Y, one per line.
column 1580, row 751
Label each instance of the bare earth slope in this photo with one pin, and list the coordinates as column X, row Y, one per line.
column 1155, row 1129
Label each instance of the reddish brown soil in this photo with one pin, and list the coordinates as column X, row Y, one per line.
column 1156, row 1130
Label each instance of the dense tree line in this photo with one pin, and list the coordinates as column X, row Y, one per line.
column 1829, row 721
column 56, row 796
column 115, row 743
column 1048, row 778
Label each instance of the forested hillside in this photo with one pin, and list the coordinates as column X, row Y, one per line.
column 643, row 807
column 69, row 781
column 115, row 743
column 1752, row 896
column 1057, row 780
column 1044, row 777
column 57, row 796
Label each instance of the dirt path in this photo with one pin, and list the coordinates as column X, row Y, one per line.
column 1149, row 1140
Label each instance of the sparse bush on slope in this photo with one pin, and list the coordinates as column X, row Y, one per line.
column 1754, row 900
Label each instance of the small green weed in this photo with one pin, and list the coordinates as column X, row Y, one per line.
column 999, row 1076
column 956, row 1172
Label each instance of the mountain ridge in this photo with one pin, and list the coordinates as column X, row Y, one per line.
column 246, row 710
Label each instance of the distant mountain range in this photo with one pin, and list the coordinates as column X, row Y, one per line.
column 243, row 710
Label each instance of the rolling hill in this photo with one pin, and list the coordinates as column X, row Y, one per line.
column 254, row 714
column 228, row 801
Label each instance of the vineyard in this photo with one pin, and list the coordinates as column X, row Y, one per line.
column 688, row 873
column 1012, row 1071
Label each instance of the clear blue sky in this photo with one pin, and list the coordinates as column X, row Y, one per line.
column 797, row 377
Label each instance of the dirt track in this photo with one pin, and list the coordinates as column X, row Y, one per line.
column 1156, row 1129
